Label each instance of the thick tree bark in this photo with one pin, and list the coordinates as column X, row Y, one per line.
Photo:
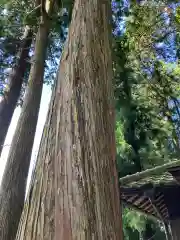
column 175, row 229
column 13, row 186
column 37, row 221
column 76, row 164
column 11, row 96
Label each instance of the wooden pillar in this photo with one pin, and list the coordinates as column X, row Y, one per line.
column 167, row 231
column 175, row 229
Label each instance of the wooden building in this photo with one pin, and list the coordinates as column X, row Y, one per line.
column 156, row 192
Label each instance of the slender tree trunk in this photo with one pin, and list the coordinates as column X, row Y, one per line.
column 11, row 96
column 175, row 229
column 76, row 166
column 13, row 186
column 38, row 214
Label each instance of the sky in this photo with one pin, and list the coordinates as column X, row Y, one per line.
column 46, row 95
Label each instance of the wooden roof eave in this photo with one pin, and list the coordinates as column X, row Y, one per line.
column 149, row 172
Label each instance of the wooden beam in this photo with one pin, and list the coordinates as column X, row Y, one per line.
column 159, row 206
column 168, row 231
column 149, row 172
column 175, row 172
column 131, row 191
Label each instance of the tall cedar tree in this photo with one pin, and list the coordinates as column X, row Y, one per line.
column 13, row 184
column 75, row 193
column 12, row 94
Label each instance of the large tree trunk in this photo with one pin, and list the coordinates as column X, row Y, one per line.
column 175, row 229
column 76, row 166
column 11, row 95
column 13, row 186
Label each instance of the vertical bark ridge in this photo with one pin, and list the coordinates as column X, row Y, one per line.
column 85, row 171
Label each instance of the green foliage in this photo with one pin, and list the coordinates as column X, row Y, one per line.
column 142, row 132
column 134, row 219
column 11, row 30
column 177, row 15
column 146, row 130
column 15, row 15
column 146, row 123
column 139, row 226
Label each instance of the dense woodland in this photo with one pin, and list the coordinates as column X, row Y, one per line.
column 114, row 70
